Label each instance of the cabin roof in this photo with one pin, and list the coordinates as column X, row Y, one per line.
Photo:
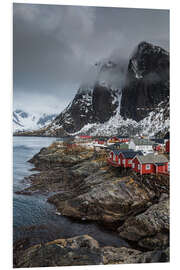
column 119, row 144
column 158, row 141
column 122, row 137
column 152, row 158
column 118, row 151
column 142, row 141
column 131, row 154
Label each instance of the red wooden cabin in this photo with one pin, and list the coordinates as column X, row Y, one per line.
column 150, row 164
column 127, row 157
column 122, row 158
column 85, row 136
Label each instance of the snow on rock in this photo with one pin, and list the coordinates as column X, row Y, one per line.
column 23, row 121
column 152, row 124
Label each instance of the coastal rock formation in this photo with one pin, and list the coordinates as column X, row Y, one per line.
column 87, row 189
column 104, row 197
column 83, row 250
column 150, row 228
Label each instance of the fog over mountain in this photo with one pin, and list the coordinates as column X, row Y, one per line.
column 56, row 48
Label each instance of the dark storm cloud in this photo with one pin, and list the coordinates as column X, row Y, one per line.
column 55, row 45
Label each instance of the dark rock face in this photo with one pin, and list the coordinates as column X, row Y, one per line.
column 89, row 106
column 78, row 113
column 94, row 102
column 151, row 228
column 115, row 89
column 103, row 106
column 83, row 250
column 147, row 81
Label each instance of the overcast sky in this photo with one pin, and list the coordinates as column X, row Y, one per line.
column 54, row 47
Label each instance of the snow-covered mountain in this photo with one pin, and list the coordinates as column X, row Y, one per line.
column 120, row 98
column 23, row 121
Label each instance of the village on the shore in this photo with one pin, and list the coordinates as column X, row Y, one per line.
column 142, row 154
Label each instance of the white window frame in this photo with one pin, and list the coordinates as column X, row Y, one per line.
column 124, row 161
column 139, row 166
column 148, row 166
column 114, row 157
column 130, row 161
column 133, row 165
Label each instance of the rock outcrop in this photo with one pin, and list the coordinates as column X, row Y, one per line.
column 82, row 250
column 150, row 228
column 86, row 188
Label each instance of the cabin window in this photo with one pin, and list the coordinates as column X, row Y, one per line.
column 133, row 165
column 114, row 157
column 129, row 161
column 123, row 161
column 139, row 166
column 148, row 167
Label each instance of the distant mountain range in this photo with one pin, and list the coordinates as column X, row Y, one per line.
column 124, row 99
column 23, row 121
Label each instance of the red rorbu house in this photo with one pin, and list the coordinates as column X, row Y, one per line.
column 150, row 164
column 101, row 140
column 122, row 158
column 127, row 157
column 114, row 158
column 85, row 137
column 123, row 139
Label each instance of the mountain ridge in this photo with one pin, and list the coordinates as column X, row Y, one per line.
column 119, row 100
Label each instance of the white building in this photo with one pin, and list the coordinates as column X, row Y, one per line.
column 144, row 145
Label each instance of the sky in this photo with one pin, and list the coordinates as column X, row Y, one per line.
column 55, row 46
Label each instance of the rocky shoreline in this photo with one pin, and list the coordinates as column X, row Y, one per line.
column 84, row 187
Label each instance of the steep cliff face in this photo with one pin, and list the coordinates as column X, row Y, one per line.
column 120, row 98
column 96, row 102
column 147, row 81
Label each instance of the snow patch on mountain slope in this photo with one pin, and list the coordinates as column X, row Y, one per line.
column 23, row 121
column 150, row 125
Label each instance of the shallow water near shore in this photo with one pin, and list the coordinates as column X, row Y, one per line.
column 33, row 216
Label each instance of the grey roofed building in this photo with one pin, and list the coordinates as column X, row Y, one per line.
column 118, row 151
column 142, row 141
column 118, row 145
column 158, row 141
column 127, row 153
column 152, row 158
